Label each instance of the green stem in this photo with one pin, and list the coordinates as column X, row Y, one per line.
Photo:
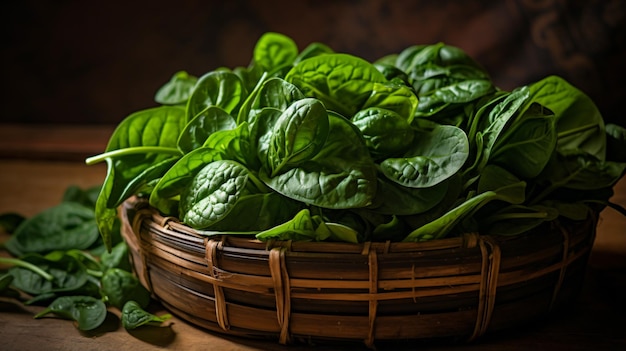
column 136, row 150
column 27, row 265
column 580, row 129
column 258, row 183
column 94, row 273
column 245, row 108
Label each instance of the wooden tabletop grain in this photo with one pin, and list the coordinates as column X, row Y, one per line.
column 36, row 179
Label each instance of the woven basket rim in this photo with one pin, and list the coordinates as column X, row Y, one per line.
column 378, row 278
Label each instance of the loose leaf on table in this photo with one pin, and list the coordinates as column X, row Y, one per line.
column 67, row 272
column 120, row 286
column 134, row 316
column 5, row 286
column 88, row 312
column 116, row 258
column 65, row 226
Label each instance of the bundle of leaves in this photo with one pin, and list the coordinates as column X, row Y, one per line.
column 58, row 259
column 319, row 145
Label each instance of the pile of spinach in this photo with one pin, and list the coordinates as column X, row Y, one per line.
column 58, row 259
column 319, row 145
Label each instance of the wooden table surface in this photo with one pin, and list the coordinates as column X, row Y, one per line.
column 34, row 177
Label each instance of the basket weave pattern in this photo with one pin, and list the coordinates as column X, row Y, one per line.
column 459, row 288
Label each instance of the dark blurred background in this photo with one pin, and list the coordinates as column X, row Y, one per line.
column 95, row 62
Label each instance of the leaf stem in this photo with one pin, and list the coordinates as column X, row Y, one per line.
column 132, row 151
column 27, row 265
column 580, row 129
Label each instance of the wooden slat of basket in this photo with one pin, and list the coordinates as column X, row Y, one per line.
column 506, row 278
column 193, row 302
column 325, row 326
column 528, row 259
column 249, row 283
column 513, row 309
column 509, row 277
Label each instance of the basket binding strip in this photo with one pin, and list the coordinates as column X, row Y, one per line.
column 458, row 287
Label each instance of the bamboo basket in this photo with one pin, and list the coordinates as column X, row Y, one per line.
column 455, row 289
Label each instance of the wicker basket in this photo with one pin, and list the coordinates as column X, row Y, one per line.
column 458, row 288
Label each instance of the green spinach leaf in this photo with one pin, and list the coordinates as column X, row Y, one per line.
column 386, row 133
column 65, row 226
column 68, row 274
column 134, row 316
column 342, row 82
column 88, row 312
column 340, row 175
column 274, row 51
column 218, row 88
column 120, row 286
column 495, row 184
column 434, row 156
column 177, row 90
column 298, row 135
column 303, row 227
column 213, row 193
column 196, row 132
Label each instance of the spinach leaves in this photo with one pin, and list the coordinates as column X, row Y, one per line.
column 318, row 145
column 88, row 312
column 134, row 316
column 57, row 259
